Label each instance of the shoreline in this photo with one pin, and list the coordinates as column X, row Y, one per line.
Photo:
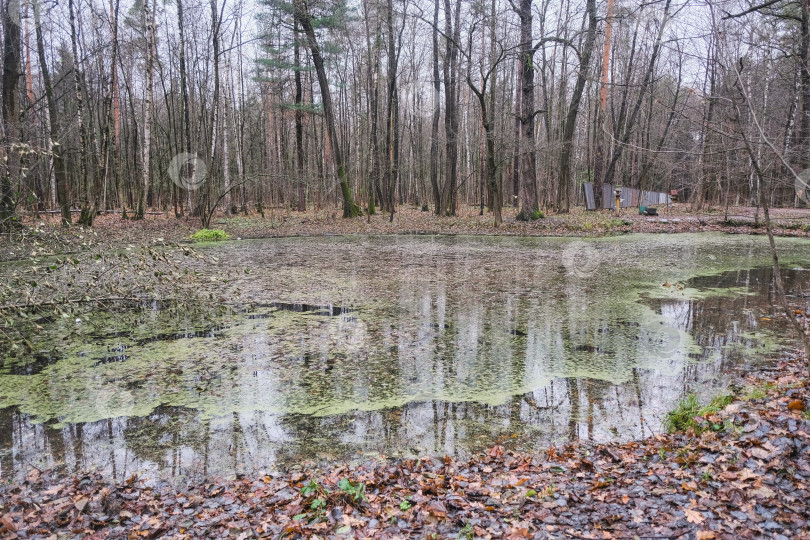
column 749, row 478
column 47, row 237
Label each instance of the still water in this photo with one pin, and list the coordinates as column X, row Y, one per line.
column 401, row 346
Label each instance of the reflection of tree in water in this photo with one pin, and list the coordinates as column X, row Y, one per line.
column 495, row 333
column 7, row 441
column 175, row 438
column 331, row 436
column 722, row 326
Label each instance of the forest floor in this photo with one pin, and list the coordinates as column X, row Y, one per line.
column 44, row 235
column 742, row 471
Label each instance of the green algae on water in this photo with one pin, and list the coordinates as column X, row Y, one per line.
column 452, row 319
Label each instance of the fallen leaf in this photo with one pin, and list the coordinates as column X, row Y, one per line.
column 797, row 405
column 8, row 524
column 33, row 476
column 436, row 508
column 81, row 504
column 693, row 516
column 764, row 492
column 759, row 453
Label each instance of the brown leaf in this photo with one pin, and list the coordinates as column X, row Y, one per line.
column 600, row 483
column 8, row 524
column 693, row 516
column 764, row 492
column 586, row 465
column 33, row 476
column 81, row 504
column 519, row 532
column 436, row 508
column 759, row 453
column 797, row 405
column 706, row 535
column 496, row 451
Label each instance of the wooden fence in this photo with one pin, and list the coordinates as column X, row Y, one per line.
column 630, row 197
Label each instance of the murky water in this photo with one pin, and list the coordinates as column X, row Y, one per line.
column 397, row 345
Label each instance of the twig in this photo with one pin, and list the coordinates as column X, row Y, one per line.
column 72, row 301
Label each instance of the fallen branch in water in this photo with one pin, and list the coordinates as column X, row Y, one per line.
column 73, row 301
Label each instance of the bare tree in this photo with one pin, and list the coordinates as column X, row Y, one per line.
column 350, row 209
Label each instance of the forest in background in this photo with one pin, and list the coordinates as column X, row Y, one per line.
column 231, row 106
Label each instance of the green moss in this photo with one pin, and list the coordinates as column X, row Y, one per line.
column 533, row 215
column 209, row 235
column 617, row 222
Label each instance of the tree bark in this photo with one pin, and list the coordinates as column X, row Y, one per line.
column 601, row 112
column 563, row 203
column 434, row 130
column 11, row 124
column 299, row 122
column 804, row 130
column 392, row 117
column 350, row 209
column 186, row 116
column 149, row 110
column 529, row 201
column 89, row 204
column 452, row 33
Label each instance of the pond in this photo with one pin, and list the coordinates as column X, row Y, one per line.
column 398, row 345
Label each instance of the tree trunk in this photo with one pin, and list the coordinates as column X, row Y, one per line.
column 804, row 129
column 149, row 110
column 186, row 116
column 299, row 122
column 89, row 204
column 11, row 124
column 573, row 110
column 529, row 204
column 452, row 30
column 392, row 118
column 601, row 112
column 434, row 130
column 374, row 93
column 350, row 209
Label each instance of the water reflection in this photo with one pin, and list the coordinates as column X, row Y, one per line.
column 429, row 347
